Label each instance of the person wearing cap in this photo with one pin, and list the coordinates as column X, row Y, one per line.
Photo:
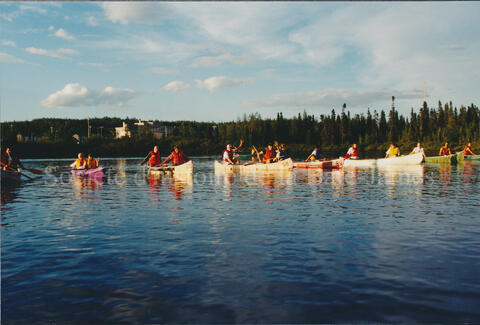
column 228, row 155
column 177, row 157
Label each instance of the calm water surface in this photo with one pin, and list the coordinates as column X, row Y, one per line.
column 381, row 245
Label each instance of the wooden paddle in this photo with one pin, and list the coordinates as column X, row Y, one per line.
column 258, row 155
column 16, row 171
column 33, row 170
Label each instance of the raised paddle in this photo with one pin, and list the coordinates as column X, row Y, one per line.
column 258, row 155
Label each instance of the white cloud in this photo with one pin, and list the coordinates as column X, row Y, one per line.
column 76, row 95
column 36, row 9
column 4, row 57
column 176, row 86
column 61, row 33
column 93, row 64
column 91, row 21
column 213, row 61
column 163, row 71
column 9, row 43
column 329, row 98
column 59, row 54
column 136, row 12
column 218, row 82
column 453, row 47
column 51, row 28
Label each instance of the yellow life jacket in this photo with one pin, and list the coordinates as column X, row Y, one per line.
column 79, row 163
column 393, row 151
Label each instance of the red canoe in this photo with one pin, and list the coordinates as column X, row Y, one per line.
column 329, row 164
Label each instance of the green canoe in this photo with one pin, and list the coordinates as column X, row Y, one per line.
column 448, row 160
column 462, row 157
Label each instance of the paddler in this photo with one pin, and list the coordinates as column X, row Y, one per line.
column 177, row 157
column 79, row 163
column 445, row 150
column 467, row 151
column 315, row 155
column 228, row 156
column 92, row 162
column 353, row 152
column 154, row 159
column 418, row 149
column 269, row 155
column 10, row 161
column 282, row 153
column 393, row 151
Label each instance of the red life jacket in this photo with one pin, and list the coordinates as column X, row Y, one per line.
column 178, row 158
column 355, row 154
column 467, row 151
column 154, row 159
column 230, row 155
column 269, row 154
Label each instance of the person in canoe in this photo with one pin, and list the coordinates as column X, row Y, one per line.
column 10, row 161
column 153, row 158
column 445, row 150
column 269, row 154
column 353, row 152
column 315, row 155
column 418, row 149
column 393, row 151
column 79, row 163
column 282, row 153
column 92, row 162
column 177, row 157
column 467, row 151
column 228, row 158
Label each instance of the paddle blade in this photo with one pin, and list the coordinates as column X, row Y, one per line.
column 35, row 171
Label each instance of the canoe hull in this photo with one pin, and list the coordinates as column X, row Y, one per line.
column 92, row 173
column 10, row 177
column 360, row 163
column 415, row 159
column 444, row 160
column 329, row 164
column 461, row 157
column 283, row 165
column 185, row 169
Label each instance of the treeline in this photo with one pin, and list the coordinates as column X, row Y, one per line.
column 333, row 133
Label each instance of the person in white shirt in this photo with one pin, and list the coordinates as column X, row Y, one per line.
column 418, row 149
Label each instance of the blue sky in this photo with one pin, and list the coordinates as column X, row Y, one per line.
column 218, row 61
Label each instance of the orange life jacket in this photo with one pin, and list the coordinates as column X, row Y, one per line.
column 467, row 151
column 445, row 151
column 355, row 154
column 154, row 159
column 91, row 163
column 269, row 154
column 178, row 158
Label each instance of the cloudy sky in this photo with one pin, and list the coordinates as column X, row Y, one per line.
column 217, row 61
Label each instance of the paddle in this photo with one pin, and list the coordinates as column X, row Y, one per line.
column 16, row 171
column 33, row 170
column 258, row 155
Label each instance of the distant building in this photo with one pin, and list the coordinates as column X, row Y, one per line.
column 122, row 131
column 158, row 130
column 20, row 138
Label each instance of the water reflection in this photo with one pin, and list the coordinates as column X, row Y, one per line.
column 85, row 187
column 178, row 185
column 400, row 176
column 9, row 191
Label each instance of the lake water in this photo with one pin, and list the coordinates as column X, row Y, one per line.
column 381, row 245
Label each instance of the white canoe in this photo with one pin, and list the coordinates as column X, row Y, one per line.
column 415, row 159
column 186, row 168
column 283, row 165
column 362, row 163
